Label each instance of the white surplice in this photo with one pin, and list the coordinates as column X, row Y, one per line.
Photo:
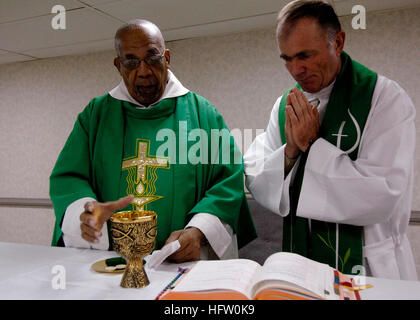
column 375, row 191
column 222, row 241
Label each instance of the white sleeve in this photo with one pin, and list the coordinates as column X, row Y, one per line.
column 264, row 168
column 373, row 188
column 219, row 235
column 72, row 235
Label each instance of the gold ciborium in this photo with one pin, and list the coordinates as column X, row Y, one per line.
column 133, row 237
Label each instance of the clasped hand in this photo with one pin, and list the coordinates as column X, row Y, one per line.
column 302, row 123
column 96, row 214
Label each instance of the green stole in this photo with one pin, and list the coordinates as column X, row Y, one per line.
column 344, row 120
column 91, row 164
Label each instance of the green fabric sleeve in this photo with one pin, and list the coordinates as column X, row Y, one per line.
column 71, row 178
column 224, row 194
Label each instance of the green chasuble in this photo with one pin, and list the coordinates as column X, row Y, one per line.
column 339, row 245
column 162, row 155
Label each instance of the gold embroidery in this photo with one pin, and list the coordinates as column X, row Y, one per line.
column 139, row 164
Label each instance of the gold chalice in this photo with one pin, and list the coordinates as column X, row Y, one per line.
column 133, row 237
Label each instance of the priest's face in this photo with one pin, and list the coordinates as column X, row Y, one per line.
column 146, row 79
column 311, row 55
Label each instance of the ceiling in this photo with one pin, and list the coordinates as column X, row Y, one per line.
column 26, row 32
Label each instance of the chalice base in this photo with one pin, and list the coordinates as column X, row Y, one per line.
column 134, row 275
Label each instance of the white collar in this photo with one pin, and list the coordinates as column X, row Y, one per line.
column 322, row 94
column 173, row 89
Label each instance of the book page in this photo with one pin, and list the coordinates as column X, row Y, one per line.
column 303, row 272
column 235, row 274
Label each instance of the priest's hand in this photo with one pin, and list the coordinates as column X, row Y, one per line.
column 304, row 120
column 191, row 240
column 96, row 214
column 291, row 150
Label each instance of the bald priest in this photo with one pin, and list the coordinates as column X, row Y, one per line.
column 110, row 162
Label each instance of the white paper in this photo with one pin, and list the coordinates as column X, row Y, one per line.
column 303, row 272
column 159, row 256
column 234, row 274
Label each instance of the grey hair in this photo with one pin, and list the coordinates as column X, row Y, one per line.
column 319, row 10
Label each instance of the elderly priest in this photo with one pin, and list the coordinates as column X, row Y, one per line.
column 111, row 160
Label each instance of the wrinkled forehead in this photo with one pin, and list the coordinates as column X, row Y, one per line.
column 303, row 27
column 305, row 33
column 139, row 40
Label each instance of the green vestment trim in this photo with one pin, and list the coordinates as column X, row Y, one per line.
column 344, row 120
column 91, row 164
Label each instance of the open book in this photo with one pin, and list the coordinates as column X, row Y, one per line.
column 283, row 276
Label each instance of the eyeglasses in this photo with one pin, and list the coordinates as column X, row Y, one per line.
column 135, row 63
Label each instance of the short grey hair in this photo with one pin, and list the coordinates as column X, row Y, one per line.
column 319, row 10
